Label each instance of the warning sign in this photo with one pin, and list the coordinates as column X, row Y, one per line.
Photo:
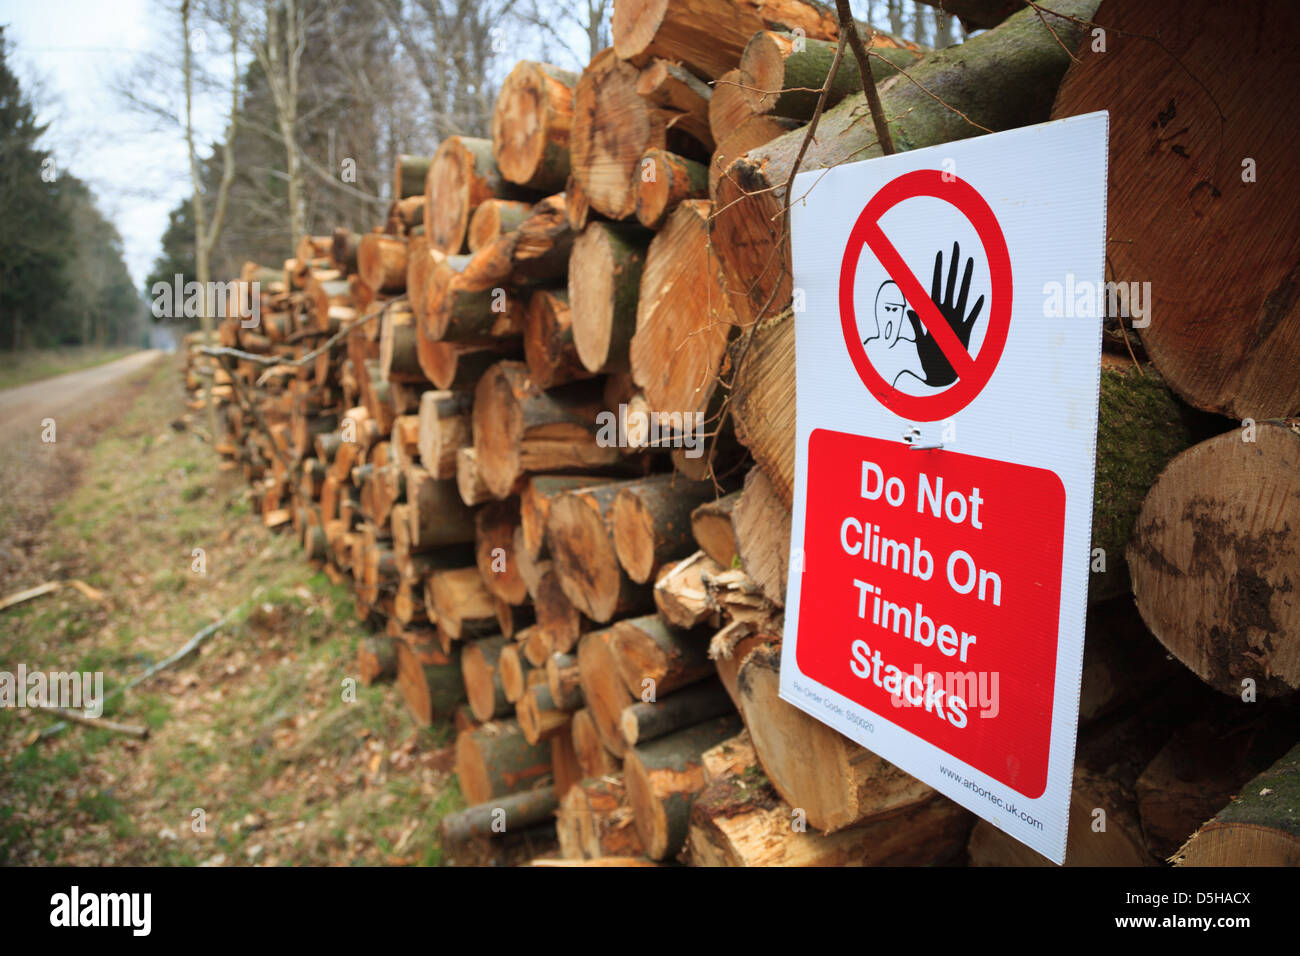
column 944, row 466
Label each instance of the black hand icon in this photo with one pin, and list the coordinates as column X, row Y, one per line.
column 938, row 370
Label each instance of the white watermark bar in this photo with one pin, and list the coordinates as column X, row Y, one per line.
column 65, row 690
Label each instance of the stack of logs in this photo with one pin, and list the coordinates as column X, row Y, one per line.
column 553, row 453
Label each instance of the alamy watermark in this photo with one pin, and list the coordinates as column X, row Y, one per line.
column 180, row 299
column 68, row 690
column 645, row 429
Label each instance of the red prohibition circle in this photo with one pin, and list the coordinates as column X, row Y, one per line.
column 972, row 373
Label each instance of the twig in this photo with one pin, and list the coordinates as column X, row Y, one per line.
column 219, row 351
column 101, row 723
column 189, row 647
column 849, row 27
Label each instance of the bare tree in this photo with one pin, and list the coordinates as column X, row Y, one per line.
column 207, row 232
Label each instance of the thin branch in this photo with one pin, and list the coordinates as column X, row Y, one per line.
column 850, row 28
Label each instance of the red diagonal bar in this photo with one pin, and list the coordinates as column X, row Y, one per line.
column 917, row 297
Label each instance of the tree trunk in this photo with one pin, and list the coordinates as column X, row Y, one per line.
column 480, row 670
column 595, row 821
column 664, row 181
column 520, row 428
column 461, row 175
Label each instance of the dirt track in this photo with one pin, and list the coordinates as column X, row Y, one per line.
column 22, row 408
column 35, row 474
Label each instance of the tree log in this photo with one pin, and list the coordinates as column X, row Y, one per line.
column 663, row 777
column 782, row 77
column 579, row 531
column 495, row 525
column 549, row 348
column 651, row 520
column 479, row 667
column 495, row 759
column 595, row 820
column 493, row 219
column 654, row 659
column 444, row 427
column 520, row 428
column 376, row 659
column 539, row 718
column 836, row 781
column 1001, row 80
column 1215, row 561
column 686, row 96
column 381, row 262
column 593, row 758
column 461, row 602
column 1259, row 828
column 429, row 681
column 711, row 525
column 409, row 173
column 438, row 516
column 1230, row 342
column 709, row 36
column 531, row 124
column 603, row 689
column 461, row 175
column 644, row 721
column 664, row 181
column 509, row 814
column 604, row 277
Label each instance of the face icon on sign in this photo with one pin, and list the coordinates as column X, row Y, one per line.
column 891, row 311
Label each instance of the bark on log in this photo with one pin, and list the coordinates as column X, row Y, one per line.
column 509, row 814
column 531, row 124
column 1259, row 828
column 813, row 767
column 461, row 175
column 595, row 820
column 603, row 689
column 665, row 180
column 651, row 522
column 409, row 173
column 750, row 135
column 564, row 680
column 520, row 428
column 564, row 763
column 429, row 681
column 1215, row 561
column 663, row 777
column 655, row 659
column 381, row 262
column 495, row 759
column 1229, row 342
column 709, row 36
column 783, row 78
column 514, row 670
column 1001, row 79
column 644, row 721
column 604, row 278
column 711, row 525
column 479, row 667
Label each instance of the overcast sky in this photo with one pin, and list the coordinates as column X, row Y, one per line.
column 68, row 55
